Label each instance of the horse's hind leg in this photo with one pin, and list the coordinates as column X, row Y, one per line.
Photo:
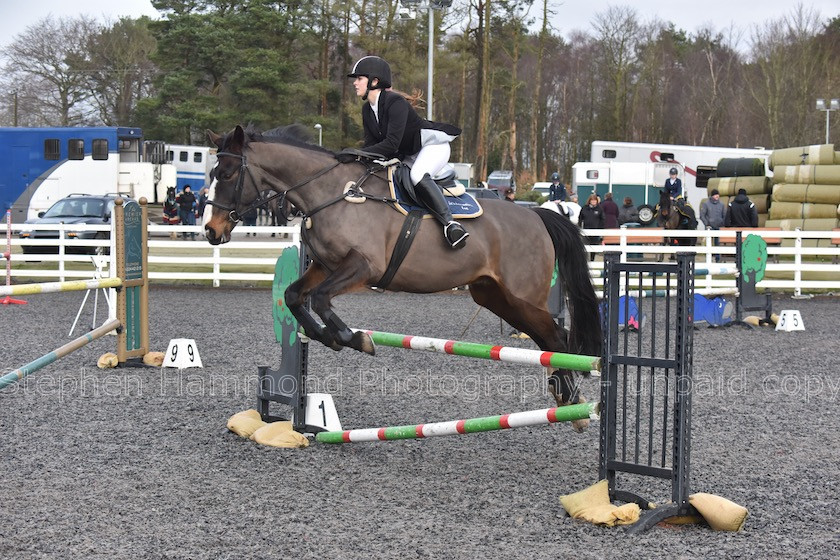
column 353, row 272
column 540, row 326
column 295, row 297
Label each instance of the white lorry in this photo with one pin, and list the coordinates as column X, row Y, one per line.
column 639, row 170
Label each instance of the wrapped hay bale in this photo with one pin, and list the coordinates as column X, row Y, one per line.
column 815, row 194
column 811, row 224
column 819, row 154
column 728, row 186
column 817, row 174
column 801, row 210
column 740, row 167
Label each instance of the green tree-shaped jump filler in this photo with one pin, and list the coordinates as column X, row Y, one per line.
column 753, row 257
column 286, row 271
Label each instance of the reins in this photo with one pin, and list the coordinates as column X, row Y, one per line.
column 234, row 215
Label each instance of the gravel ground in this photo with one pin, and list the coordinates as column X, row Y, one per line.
column 137, row 463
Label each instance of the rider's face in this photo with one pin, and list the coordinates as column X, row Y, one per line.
column 361, row 84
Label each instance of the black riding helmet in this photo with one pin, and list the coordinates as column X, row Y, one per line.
column 373, row 67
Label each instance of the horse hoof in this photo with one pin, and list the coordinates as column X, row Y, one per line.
column 580, row 426
column 362, row 342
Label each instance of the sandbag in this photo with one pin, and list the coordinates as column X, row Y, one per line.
column 815, row 194
column 593, row 504
column 279, row 434
column 803, row 210
column 740, row 167
column 245, row 423
column 816, row 174
column 729, row 186
column 721, row 514
column 819, row 154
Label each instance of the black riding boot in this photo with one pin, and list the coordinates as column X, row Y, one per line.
column 431, row 196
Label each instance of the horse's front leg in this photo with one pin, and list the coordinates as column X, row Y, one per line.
column 295, row 297
column 352, row 273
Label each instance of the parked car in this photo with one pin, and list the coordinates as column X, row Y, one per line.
column 542, row 187
column 74, row 209
column 484, row 193
column 501, row 181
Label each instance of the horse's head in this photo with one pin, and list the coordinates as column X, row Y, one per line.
column 663, row 209
column 234, row 186
column 249, row 162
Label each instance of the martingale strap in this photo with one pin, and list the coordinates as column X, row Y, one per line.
column 409, row 230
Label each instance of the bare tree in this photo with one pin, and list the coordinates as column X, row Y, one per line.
column 787, row 60
column 617, row 33
column 119, row 71
column 48, row 62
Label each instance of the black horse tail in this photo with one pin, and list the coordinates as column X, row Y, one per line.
column 573, row 272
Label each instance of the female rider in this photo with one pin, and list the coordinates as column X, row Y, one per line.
column 394, row 129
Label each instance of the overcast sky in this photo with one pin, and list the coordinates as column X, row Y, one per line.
column 571, row 14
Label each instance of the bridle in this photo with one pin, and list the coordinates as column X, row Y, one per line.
column 234, row 214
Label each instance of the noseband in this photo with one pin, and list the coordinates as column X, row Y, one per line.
column 234, row 215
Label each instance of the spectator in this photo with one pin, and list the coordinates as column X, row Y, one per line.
column 610, row 209
column 592, row 217
column 510, row 196
column 713, row 215
column 628, row 213
column 249, row 219
column 186, row 209
column 557, row 190
column 203, row 195
column 170, row 210
column 741, row 212
column 673, row 184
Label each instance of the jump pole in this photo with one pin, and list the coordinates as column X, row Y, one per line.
column 130, row 261
column 50, row 357
column 470, row 426
column 557, row 360
column 53, row 287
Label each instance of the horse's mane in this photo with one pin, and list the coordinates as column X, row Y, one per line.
column 293, row 134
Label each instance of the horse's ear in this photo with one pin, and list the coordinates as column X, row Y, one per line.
column 214, row 138
column 237, row 141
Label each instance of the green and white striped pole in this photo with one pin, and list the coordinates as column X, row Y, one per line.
column 556, row 360
column 469, row 426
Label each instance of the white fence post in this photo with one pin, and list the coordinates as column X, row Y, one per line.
column 797, row 261
column 217, row 269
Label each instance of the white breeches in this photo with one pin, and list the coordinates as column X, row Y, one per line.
column 430, row 159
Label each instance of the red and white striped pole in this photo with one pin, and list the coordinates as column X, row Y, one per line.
column 8, row 256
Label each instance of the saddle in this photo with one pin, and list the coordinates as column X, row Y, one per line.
column 461, row 204
column 688, row 217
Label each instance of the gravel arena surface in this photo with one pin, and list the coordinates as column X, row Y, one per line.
column 138, row 463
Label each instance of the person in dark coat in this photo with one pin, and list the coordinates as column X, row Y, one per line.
column 592, row 217
column 628, row 213
column 741, row 212
column 186, row 209
column 394, row 129
column 610, row 209
column 557, row 190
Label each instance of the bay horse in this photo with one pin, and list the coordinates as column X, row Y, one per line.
column 508, row 262
column 680, row 215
